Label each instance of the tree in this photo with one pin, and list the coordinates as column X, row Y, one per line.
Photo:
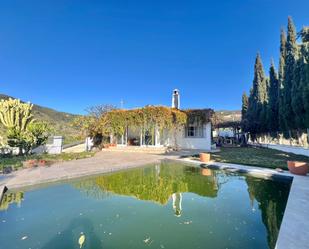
column 244, row 109
column 281, row 80
column 297, row 93
column 244, row 106
column 98, row 110
column 273, row 101
column 304, row 79
column 88, row 124
column 37, row 134
column 16, row 138
column 258, row 99
column 305, row 34
column 286, row 104
column 85, row 125
column 290, row 60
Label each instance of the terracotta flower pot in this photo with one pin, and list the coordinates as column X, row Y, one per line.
column 204, row 157
column 105, row 146
column 42, row 162
column 30, row 163
column 206, row 172
column 298, row 168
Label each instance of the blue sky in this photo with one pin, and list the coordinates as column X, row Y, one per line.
column 70, row 54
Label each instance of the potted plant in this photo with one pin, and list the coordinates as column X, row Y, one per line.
column 298, row 168
column 206, row 172
column 204, row 157
column 30, row 163
column 105, row 146
column 42, row 162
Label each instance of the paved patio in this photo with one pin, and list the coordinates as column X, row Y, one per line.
column 102, row 162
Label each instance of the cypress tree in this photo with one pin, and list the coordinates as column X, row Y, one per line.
column 280, row 102
column 264, row 127
column 290, row 60
column 273, row 102
column 249, row 113
column 281, row 79
column 258, row 99
column 304, row 82
column 297, row 93
column 244, row 106
column 244, row 109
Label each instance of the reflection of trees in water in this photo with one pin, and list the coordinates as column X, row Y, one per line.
column 272, row 198
column 10, row 198
column 156, row 183
column 91, row 189
column 160, row 182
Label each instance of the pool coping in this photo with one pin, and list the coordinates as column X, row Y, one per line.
column 294, row 229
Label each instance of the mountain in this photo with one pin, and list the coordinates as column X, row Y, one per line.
column 60, row 121
column 225, row 116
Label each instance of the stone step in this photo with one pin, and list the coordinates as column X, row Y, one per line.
column 152, row 150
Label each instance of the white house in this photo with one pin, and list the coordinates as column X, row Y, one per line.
column 195, row 135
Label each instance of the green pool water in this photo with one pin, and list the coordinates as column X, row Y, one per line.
column 169, row 205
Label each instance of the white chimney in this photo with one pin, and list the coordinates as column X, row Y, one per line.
column 176, row 99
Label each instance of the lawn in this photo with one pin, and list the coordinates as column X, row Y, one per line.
column 261, row 157
column 17, row 161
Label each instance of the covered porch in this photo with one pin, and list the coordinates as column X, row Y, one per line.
column 140, row 137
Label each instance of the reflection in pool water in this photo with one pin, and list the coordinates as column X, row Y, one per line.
column 11, row 198
column 162, row 206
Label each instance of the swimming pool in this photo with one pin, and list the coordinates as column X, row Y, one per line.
column 168, row 205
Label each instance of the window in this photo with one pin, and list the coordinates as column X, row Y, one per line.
column 194, row 131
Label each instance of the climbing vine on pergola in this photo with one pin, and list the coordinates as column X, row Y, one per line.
column 116, row 121
column 150, row 117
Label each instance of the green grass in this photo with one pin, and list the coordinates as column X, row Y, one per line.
column 261, row 157
column 17, row 161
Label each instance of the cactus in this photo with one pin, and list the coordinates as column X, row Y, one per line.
column 15, row 114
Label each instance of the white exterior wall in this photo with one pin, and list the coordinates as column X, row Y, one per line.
column 224, row 132
column 183, row 142
column 88, row 143
column 167, row 138
column 54, row 148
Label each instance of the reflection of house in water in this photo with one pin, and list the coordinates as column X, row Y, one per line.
column 10, row 198
column 177, row 201
column 159, row 183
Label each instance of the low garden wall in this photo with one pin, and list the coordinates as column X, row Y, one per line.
column 286, row 148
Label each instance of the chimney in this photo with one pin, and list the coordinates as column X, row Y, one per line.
column 176, row 99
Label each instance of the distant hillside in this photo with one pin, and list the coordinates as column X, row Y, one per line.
column 60, row 121
column 228, row 116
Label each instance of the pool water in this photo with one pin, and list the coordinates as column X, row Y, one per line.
column 169, row 205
